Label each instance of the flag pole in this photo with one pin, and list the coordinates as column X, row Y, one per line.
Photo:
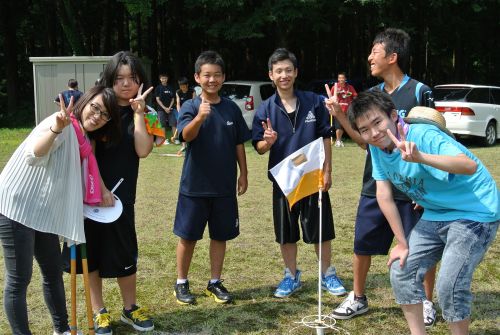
column 320, row 331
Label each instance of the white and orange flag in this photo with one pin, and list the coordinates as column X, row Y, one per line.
column 300, row 174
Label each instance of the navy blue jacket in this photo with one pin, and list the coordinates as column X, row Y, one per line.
column 312, row 121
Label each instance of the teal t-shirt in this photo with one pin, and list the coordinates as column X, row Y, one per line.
column 444, row 196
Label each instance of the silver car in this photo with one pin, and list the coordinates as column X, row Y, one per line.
column 470, row 110
column 248, row 95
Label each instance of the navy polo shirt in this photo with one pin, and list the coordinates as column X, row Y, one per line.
column 210, row 166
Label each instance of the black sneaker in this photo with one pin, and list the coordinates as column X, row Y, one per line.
column 138, row 318
column 183, row 294
column 218, row 291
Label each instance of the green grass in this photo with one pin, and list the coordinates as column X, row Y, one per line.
column 253, row 263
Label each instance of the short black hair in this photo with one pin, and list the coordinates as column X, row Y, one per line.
column 368, row 100
column 183, row 81
column 396, row 41
column 123, row 58
column 209, row 57
column 279, row 55
column 72, row 83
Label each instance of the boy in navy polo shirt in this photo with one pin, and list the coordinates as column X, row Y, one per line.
column 284, row 123
column 215, row 132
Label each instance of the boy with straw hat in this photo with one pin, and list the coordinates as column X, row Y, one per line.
column 459, row 196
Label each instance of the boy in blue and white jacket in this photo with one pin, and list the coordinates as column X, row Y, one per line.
column 284, row 123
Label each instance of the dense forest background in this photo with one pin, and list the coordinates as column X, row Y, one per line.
column 452, row 40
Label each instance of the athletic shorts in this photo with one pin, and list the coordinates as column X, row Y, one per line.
column 163, row 117
column 111, row 247
column 286, row 221
column 337, row 124
column 172, row 118
column 193, row 214
column 372, row 233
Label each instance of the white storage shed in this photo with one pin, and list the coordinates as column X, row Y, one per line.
column 51, row 75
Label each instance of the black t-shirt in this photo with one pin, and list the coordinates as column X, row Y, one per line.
column 121, row 160
column 410, row 93
column 210, row 164
column 166, row 94
column 183, row 97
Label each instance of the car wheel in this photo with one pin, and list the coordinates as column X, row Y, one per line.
column 490, row 134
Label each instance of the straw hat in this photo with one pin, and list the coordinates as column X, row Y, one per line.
column 428, row 115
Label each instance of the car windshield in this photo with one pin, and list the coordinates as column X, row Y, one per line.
column 451, row 93
column 235, row 91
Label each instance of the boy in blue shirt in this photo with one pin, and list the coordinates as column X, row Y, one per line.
column 215, row 132
column 459, row 196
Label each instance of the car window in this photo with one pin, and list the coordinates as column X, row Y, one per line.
column 450, row 93
column 266, row 91
column 495, row 93
column 235, row 91
column 479, row 95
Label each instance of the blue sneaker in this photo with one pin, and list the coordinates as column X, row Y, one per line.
column 289, row 284
column 332, row 283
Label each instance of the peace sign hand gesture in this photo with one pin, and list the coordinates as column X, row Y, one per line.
column 409, row 150
column 270, row 136
column 331, row 103
column 139, row 102
column 63, row 116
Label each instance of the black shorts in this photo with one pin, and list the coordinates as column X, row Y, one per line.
column 372, row 233
column 163, row 117
column 111, row 247
column 193, row 214
column 286, row 221
column 337, row 124
column 172, row 118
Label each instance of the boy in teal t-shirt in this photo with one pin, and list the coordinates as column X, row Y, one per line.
column 459, row 196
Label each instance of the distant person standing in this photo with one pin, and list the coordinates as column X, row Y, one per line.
column 343, row 94
column 165, row 98
column 72, row 91
column 183, row 94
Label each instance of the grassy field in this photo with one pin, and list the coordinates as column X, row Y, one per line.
column 253, row 264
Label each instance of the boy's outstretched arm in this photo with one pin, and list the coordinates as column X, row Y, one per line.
column 242, row 163
column 388, row 207
column 335, row 110
column 459, row 164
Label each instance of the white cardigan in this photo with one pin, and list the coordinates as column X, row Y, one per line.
column 45, row 193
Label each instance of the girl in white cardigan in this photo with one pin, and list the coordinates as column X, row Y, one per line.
column 41, row 197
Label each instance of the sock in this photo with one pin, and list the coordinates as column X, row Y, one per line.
column 213, row 281
column 182, row 281
column 360, row 297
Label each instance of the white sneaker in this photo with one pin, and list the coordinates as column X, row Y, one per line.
column 337, row 144
column 350, row 307
column 429, row 313
column 341, row 144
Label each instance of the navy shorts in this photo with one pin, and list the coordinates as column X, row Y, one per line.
column 111, row 247
column 286, row 221
column 193, row 214
column 372, row 233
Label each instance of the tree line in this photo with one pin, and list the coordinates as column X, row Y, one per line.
column 453, row 41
